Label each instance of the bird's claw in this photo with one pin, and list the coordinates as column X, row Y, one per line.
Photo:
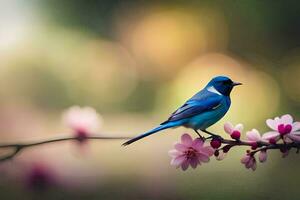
column 200, row 136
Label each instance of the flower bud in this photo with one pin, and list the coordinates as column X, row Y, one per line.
column 272, row 141
column 217, row 153
column 285, row 153
column 262, row 156
column 254, row 145
column 236, row 135
column 215, row 143
column 81, row 136
column 226, row 148
column 283, row 149
column 221, row 156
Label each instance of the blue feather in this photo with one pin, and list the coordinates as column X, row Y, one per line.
column 159, row 128
column 205, row 101
column 202, row 110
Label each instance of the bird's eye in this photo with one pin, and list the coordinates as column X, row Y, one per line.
column 227, row 82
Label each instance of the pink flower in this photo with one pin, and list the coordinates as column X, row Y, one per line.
column 262, row 157
column 249, row 162
column 40, row 177
column 294, row 136
column 283, row 127
column 83, row 121
column 190, row 152
column 233, row 131
column 254, row 138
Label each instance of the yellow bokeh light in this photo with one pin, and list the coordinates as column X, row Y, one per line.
column 290, row 73
column 165, row 39
column 104, row 67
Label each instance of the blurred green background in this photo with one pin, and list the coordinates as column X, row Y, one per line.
column 136, row 62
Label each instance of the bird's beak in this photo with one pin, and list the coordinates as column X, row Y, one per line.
column 236, row 83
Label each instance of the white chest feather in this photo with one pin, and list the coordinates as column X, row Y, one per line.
column 213, row 90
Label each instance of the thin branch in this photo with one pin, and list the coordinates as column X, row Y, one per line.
column 17, row 147
column 10, row 156
column 278, row 146
column 260, row 145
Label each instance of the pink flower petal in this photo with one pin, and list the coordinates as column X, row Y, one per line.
column 228, row 127
column 245, row 159
column 208, row 150
column 82, row 119
column 262, row 156
column 190, row 152
column 180, row 147
column 285, row 154
column 287, row 119
column 253, row 135
column 197, row 142
column 178, row 160
column 270, row 135
column 294, row 137
column 272, row 124
column 296, row 126
column 186, row 139
column 253, row 166
column 203, row 158
column 185, row 165
column 286, row 139
column 296, row 133
column 221, row 156
column 249, row 163
column 194, row 162
column 174, row 153
column 239, row 127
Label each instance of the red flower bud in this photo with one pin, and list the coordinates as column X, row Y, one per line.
column 215, row 143
column 272, row 141
column 81, row 136
column 236, row 135
column 254, row 146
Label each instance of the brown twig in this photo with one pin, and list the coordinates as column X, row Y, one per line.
column 227, row 144
column 260, row 145
column 17, row 147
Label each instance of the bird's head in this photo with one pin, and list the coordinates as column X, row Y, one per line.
column 221, row 84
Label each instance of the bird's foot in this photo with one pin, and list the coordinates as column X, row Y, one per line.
column 212, row 135
column 200, row 136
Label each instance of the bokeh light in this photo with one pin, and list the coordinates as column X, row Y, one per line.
column 163, row 39
column 14, row 24
column 85, row 71
column 289, row 74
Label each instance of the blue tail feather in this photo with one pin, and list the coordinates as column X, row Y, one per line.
column 159, row 128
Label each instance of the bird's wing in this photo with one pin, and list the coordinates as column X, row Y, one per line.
column 204, row 102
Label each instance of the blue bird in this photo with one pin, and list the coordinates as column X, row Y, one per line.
column 201, row 111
